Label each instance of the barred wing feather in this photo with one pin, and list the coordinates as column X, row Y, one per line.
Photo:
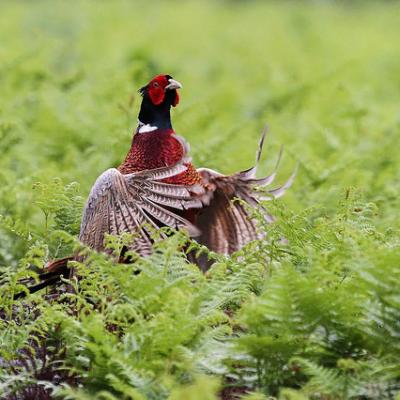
column 225, row 224
column 129, row 203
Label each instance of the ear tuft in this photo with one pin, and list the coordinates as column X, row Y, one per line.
column 142, row 90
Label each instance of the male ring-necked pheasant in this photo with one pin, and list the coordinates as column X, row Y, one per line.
column 157, row 185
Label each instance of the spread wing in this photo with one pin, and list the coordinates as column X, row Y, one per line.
column 128, row 203
column 225, row 224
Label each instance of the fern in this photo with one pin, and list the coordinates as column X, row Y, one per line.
column 61, row 205
column 309, row 312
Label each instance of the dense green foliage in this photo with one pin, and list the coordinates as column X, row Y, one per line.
column 314, row 317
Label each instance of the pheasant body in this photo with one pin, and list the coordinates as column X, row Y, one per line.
column 156, row 185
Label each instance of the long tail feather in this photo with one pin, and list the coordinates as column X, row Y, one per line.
column 54, row 271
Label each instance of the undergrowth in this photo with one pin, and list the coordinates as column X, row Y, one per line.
column 313, row 311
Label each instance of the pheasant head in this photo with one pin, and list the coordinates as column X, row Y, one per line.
column 158, row 97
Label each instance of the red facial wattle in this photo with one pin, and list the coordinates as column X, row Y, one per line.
column 157, row 88
column 176, row 99
column 157, row 94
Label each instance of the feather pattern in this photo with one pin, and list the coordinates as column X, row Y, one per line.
column 121, row 203
column 225, row 224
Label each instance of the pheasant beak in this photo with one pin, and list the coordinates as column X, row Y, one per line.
column 173, row 84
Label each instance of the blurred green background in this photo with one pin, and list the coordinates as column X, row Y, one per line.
column 323, row 75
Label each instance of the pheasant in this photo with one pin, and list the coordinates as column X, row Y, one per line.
column 157, row 185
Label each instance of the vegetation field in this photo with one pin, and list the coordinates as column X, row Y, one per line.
column 315, row 316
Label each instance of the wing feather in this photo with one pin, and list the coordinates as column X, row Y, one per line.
column 121, row 203
column 226, row 225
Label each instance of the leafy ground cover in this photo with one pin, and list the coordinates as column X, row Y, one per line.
column 314, row 318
